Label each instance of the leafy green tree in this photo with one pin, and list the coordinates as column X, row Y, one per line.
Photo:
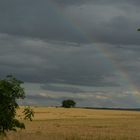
column 68, row 103
column 10, row 91
column 138, row 29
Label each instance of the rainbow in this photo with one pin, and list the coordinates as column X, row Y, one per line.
column 105, row 53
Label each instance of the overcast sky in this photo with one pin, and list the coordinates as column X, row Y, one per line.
column 86, row 50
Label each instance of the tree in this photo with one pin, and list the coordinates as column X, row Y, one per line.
column 138, row 29
column 68, row 103
column 10, row 91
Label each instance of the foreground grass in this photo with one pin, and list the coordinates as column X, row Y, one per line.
column 80, row 124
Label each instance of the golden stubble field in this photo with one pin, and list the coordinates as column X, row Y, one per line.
column 52, row 123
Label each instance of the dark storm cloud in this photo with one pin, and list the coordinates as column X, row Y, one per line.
column 79, row 2
column 77, row 21
column 89, row 43
column 38, row 19
column 64, row 88
column 40, row 61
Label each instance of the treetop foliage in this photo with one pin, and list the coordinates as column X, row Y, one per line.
column 68, row 103
column 10, row 91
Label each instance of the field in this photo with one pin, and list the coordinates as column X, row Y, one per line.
column 52, row 123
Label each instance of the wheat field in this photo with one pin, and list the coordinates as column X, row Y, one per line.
column 52, row 123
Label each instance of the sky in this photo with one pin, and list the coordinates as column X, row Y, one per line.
column 85, row 50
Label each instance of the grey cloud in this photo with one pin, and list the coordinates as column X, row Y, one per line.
column 79, row 2
column 100, row 21
column 64, row 88
column 36, row 19
column 35, row 60
column 39, row 61
column 93, row 97
column 87, row 43
column 100, row 98
column 110, row 24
